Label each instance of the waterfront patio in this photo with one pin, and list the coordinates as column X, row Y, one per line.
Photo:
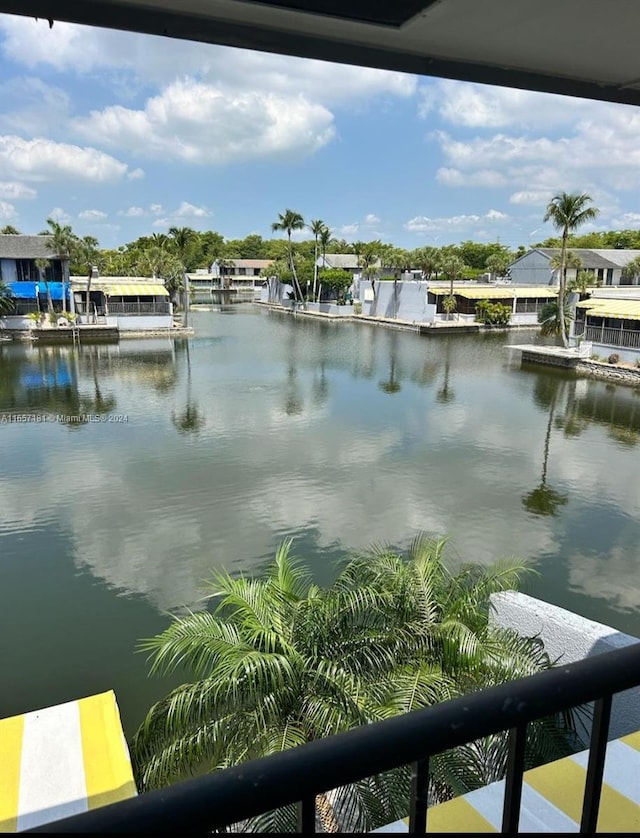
column 552, row 797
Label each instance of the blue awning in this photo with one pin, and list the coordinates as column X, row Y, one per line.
column 30, row 290
column 24, row 290
column 55, row 289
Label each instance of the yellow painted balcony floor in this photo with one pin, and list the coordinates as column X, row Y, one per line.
column 551, row 797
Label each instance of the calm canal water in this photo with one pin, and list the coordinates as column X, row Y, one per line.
column 262, row 427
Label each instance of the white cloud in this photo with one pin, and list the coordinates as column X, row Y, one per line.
column 199, row 123
column 154, row 60
column 30, row 106
column 184, row 212
column 627, row 221
column 483, row 106
column 535, row 143
column 44, row 160
column 92, row 215
column 156, row 209
column 187, row 210
column 349, row 229
column 136, row 174
column 482, row 177
column 371, row 219
column 14, row 191
column 532, row 198
column 132, row 212
column 59, row 215
column 423, row 224
column 7, row 210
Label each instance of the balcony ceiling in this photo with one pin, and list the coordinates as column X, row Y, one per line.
column 586, row 48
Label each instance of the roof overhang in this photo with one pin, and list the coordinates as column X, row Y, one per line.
column 585, row 48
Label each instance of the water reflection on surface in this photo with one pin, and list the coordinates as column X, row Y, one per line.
column 264, row 426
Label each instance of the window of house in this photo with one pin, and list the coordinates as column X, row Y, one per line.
column 609, row 280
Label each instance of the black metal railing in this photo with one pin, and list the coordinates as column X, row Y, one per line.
column 298, row 775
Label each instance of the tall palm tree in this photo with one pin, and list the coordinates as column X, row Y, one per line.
column 453, row 267
column 182, row 238
column 428, row 259
column 567, row 212
column 288, row 221
column 62, row 242
column 325, row 240
column 42, row 265
column 86, row 255
column 316, row 228
column 280, row 662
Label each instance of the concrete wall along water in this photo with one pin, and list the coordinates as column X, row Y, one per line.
column 396, row 300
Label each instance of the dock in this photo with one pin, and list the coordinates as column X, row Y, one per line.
column 550, row 356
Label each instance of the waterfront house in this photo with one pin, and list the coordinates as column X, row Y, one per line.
column 524, row 301
column 18, row 271
column 129, row 303
column 607, row 266
column 234, row 274
column 610, row 321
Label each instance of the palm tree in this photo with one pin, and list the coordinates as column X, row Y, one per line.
column 317, row 227
column 9, row 230
column 549, row 317
column 86, row 255
column 280, row 662
column 6, row 298
column 62, row 242
column 42, row 265
column 453, row 267
column 428, row 259
column 288, row 221
column 325, row 240
column 182, row 238
column 567, row 212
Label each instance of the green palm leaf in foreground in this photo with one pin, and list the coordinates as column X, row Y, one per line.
column 279, row 662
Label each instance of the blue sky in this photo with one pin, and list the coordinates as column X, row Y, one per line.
column 122, row 135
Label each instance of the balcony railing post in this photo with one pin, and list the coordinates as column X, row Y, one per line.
column 419, row 801
column 595, row 768
column 307, row 815
column 513, row 781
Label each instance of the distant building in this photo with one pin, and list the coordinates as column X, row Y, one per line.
column 607, row 266
column 18, row 271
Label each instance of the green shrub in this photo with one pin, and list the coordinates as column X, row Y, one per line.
column 357, row 309
column 492, row 314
